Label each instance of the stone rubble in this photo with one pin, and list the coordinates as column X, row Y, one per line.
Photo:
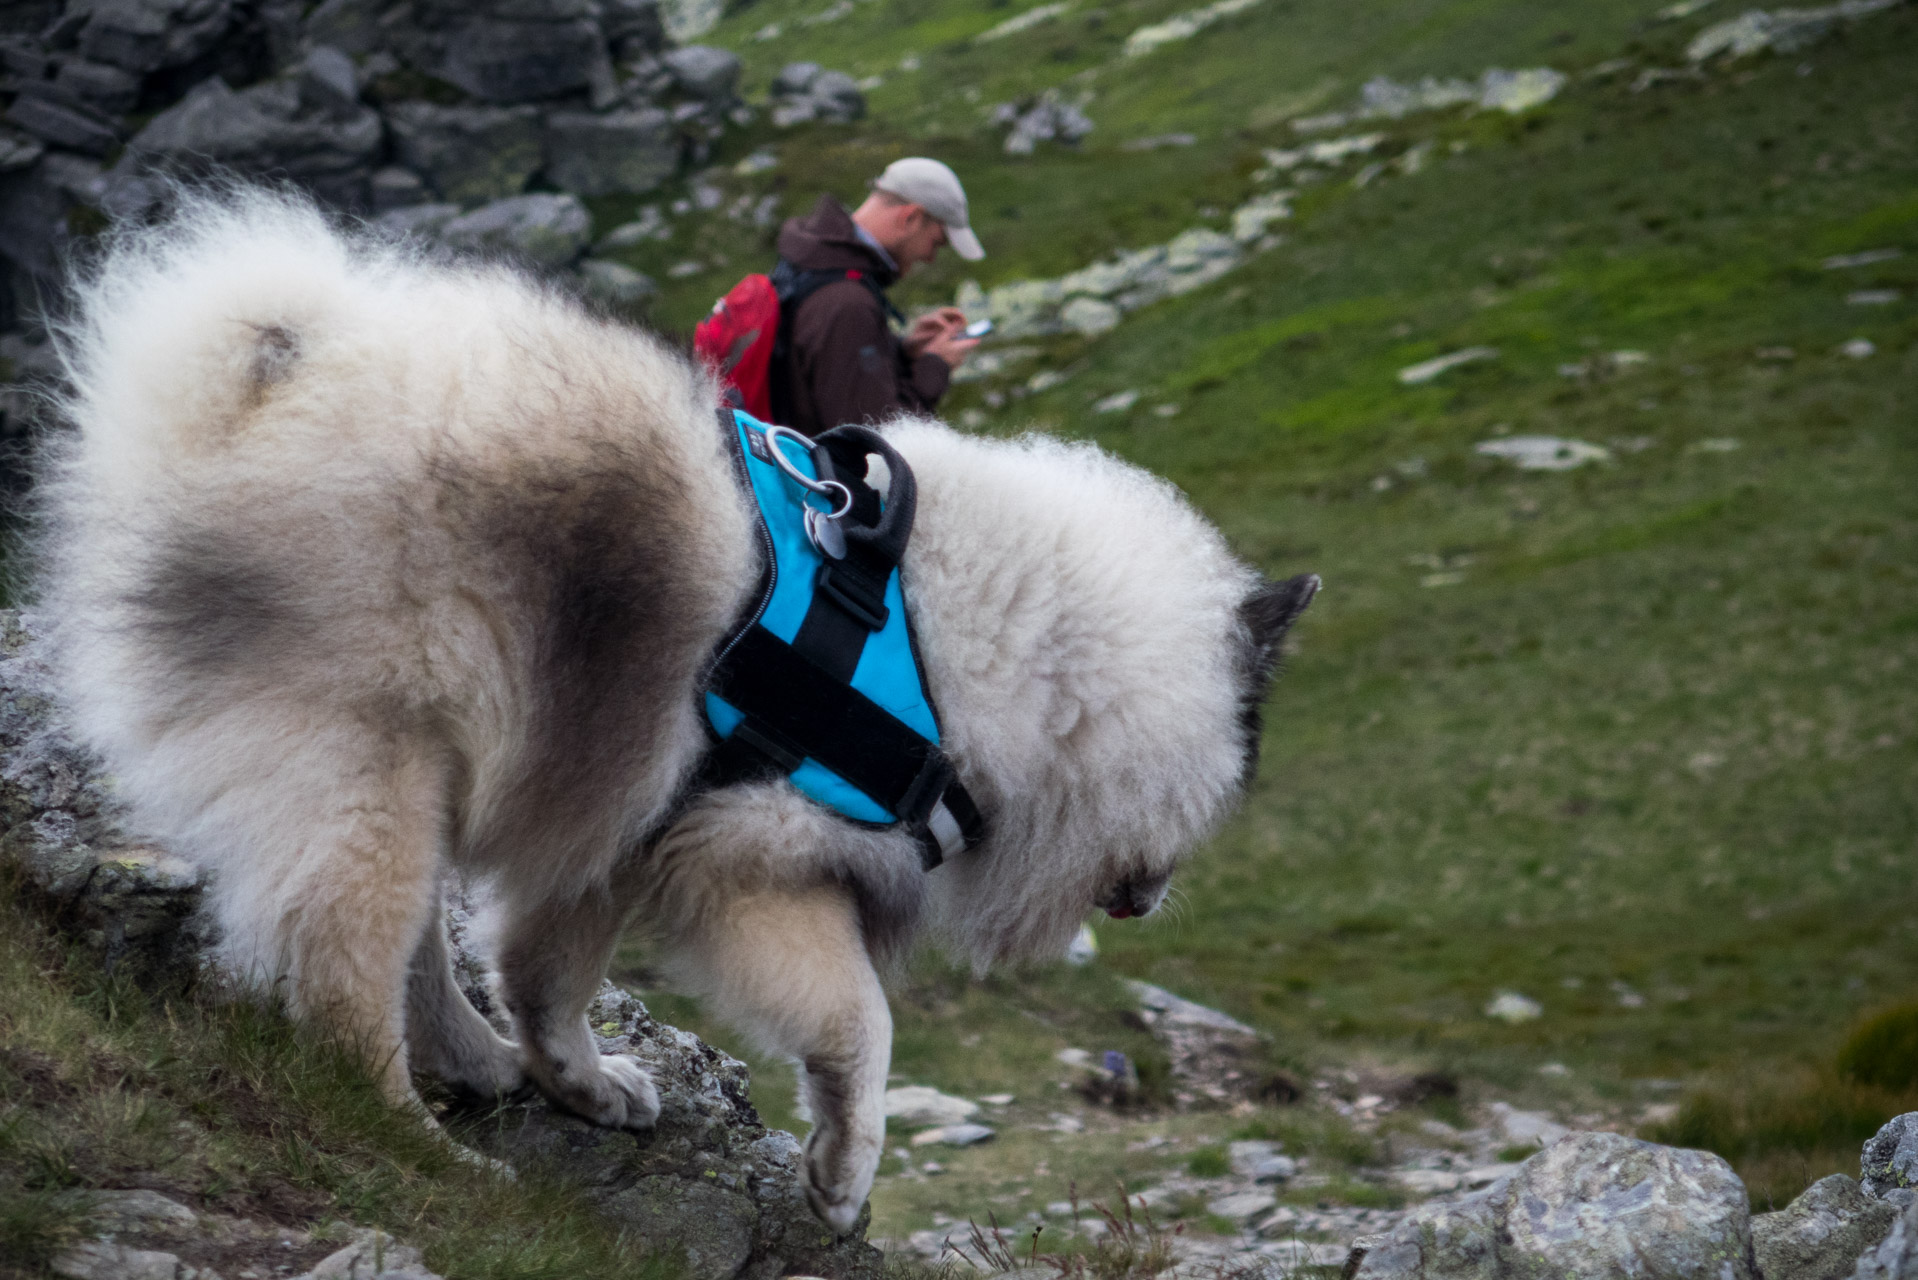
column 710, row 1176
column 805, row 91
column 1782, row 30
column 143, row 1235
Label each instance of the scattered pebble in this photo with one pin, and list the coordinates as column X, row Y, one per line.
column 1417, row 374
column 681, row 270
column 1084, row 947
column 1843, row 261
column 917, row 1104
column 1167, row 410
column 1777, row 355
column 758, row 162
column 955, row 1135
column 1510, row 1006
column 1446, row 578
column 1723, row 444
column 1858, row 348
column 1555, row 1069
column 1118, row 402
column 1543, row 453
column 1872, row 297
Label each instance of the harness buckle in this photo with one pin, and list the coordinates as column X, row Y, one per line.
column 851, row 592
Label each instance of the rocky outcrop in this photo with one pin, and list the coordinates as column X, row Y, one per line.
column 1605, row 1205
column 1821, row 1234
column 709, row 1178
column 369, row 104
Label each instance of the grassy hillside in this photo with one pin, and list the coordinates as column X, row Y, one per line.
column 1635, row 740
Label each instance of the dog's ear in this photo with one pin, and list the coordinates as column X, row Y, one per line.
column 1269, row 613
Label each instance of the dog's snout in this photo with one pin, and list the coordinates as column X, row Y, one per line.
column 1134, row 896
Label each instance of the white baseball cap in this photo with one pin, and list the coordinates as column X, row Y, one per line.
column 936, row 189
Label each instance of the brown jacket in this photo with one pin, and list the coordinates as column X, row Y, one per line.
column 845, row 364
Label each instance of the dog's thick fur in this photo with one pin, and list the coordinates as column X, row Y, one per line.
column 365, row 567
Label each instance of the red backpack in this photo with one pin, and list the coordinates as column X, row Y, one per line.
column 744, row 339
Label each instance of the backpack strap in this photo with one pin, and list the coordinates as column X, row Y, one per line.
column 794, row 285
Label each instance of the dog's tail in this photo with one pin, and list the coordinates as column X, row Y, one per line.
column 181, row 330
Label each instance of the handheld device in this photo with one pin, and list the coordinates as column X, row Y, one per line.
column 979, row 328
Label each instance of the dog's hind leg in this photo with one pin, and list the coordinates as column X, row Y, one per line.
column 346, row 905
column 446, row 1035
column 552, row 960
column 792, row 970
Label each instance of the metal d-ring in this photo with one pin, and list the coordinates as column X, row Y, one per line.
column 805, row 481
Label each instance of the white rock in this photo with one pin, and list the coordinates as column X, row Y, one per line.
column 1178, row 1011
column 1518, row 91
column 1118, row 402
column 1526, row 1128
column 1872, row 297
column 954, row 1135
column 1510, row 1006
column 1869, row 257
column 1084, row 947
column 1427, row 1182
column 1089, row 316
column 1182, row 26
column 1249, row 220
column 1074, row 1057
column 1543, row 453
column 1413, row 375
column 1858, row 348
column 1243, row 1205
column 916, row 1106
column 104, row 1260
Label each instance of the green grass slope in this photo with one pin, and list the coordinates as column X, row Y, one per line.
column 1636, row 740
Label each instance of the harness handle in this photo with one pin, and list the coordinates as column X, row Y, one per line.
column 879, row 531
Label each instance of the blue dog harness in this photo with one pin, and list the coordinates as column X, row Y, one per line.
column 821, row 683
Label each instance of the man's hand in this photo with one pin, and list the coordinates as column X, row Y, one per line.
column 941, row 333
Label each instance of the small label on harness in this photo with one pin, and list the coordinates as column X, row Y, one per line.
column 756, row 441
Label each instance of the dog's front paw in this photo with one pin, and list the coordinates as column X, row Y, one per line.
column 839, row 1173
column 612, row 1090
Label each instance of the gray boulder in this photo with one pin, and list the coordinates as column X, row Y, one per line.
column 502, row 61
column 1592, row 1205
column 18, row 149
column 417, row 219
column 33, row 222
column 1050, row 119
column 709, row 1177
column 468, row 153
column 55, row 114
column 1601, row 1204
column 708, row 74
column 101, row 85
column 149, row 35
column 545, row 230
column 394, row 188
column 804, row 91
column 267, row 129
column 1896, row 1256
column 618, row 153
column 1821, row 1234
column 329, row 82
column 1457, row 1241
column 795, row 78
column 616, row 283
column 1890, row 1158
column 632, row 27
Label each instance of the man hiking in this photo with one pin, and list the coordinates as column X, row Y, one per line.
column 838, row 360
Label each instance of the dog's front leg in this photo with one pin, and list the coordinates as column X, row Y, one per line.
column 791, row 969
column 552, row 962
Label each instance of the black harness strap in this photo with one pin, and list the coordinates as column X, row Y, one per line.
column 798, row 700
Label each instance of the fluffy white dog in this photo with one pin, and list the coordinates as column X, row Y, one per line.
column 365, row 566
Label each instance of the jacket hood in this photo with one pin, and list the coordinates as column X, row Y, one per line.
column 826, row 239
